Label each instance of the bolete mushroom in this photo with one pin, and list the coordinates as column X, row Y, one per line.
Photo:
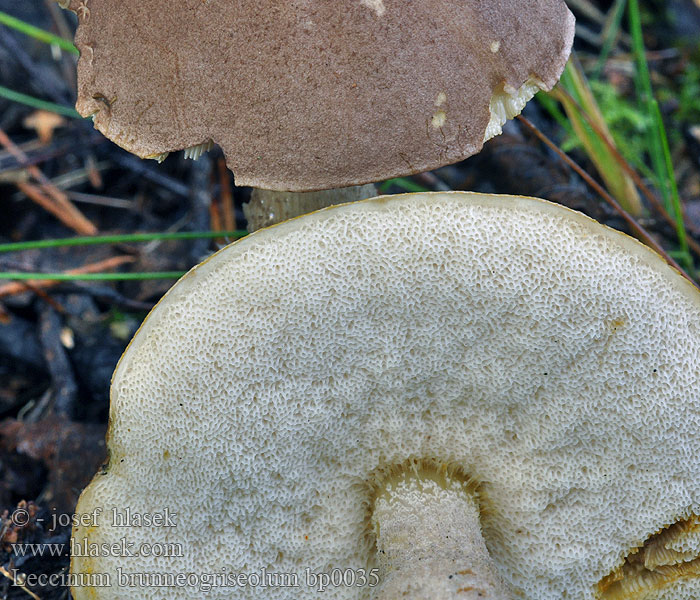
column 427, row 396
column 311, row 95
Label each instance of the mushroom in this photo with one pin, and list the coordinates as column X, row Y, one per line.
column 267, row 207
column 312, row 95
column 443, row 396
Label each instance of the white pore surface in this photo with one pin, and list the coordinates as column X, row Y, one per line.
column 508, row 104
column 556, row 361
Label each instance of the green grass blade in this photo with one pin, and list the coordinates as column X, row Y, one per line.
column 646, row 95
column 671, row 178
column 550, row 105
column 579, row 101
column 659, row 150
column 37, row 33
column 66, row 111
column 402, row 182
column 92, row 276
column 610, row 35
column 119, row 239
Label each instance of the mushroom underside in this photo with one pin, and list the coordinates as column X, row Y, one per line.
column 551, row 362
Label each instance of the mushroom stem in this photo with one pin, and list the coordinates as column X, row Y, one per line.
column 429, row 542
column 268, row 207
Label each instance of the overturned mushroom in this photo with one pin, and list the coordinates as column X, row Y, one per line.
column 310, row 95
column 437, row 395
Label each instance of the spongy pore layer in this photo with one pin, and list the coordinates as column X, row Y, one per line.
column 552, row 360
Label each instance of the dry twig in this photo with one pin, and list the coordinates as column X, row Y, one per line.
column 17, row 287
column 54, row 201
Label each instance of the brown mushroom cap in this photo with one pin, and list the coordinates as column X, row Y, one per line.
column 305, row 95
